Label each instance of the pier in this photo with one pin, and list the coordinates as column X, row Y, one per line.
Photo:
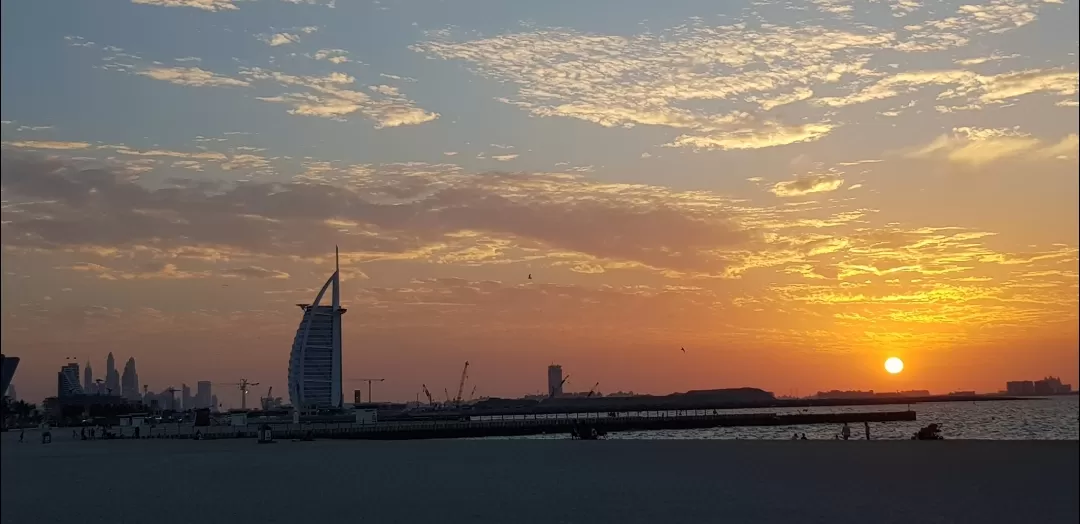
column 521, row 427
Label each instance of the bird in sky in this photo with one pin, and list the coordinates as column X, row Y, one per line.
column 683, row 350
column 530, row 276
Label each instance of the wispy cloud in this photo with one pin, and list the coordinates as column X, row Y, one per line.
column 808, row 184
column 332, row 96
column 980, row 146
column 191, row 76
column 205, row 5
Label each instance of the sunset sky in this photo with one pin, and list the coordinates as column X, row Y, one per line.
column 791, row 190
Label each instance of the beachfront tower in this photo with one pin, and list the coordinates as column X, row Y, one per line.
column 315, row 359
column 555, row 380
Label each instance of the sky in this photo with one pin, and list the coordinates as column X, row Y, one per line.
column 792, row 191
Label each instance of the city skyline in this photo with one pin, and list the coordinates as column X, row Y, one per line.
column 777, row 194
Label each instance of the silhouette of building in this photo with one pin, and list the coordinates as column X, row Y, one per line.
column 112, row 377
column 214, row 403
column 1046, row 386
column 88, row 380
column 186, row 400
column 129, row 386
column 7, row 370
column 67, row 381
column 202, row 394
column 554, row 380
column 12, row 394
column 315, row 359
column 1020, row 387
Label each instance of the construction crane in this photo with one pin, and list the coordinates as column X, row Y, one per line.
column 369, row 381
column 243, row 385
column 461, row 383
column 431, row 401
column 268, row 399
column 472, row 395
column 593, row 390
column 447, row 393
column 551, row 394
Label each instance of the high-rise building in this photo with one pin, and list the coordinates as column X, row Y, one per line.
column 186, row 402
column 88, row 380
column 7, row 370
column 202, row 394
column 112, row 377
column 315, row 359
column 67, row 381
column 12, row 394
column 555, row 380
column 129, row 386
column 213, row 403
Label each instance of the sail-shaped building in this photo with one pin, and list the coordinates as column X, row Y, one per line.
column 315, row 359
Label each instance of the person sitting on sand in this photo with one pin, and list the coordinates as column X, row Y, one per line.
column 794, row 436
column 803, row 437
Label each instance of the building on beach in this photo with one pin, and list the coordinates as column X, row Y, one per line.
column 315, row 359
column 67, row 381
column 555, row 380
column 7, row 370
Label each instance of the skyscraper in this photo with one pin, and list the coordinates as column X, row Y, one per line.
column 555, row 380
column 186, row 402
column 203, row 394
column 88, row 380
column 315, row 359
column 112, row 377
column 129, row 387
column 67, row 381
column 7, row 370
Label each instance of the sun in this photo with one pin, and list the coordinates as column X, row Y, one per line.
column 894, row 365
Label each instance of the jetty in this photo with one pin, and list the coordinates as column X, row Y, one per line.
column 442, row 429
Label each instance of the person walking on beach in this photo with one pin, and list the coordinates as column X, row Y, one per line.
column 845, row 432
column 867, row 426
column 22, row 434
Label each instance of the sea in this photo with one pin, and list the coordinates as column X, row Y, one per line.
column 1053, row 418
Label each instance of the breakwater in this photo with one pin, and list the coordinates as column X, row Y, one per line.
column 505, row 428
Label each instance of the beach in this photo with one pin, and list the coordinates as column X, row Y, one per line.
column 540, row 481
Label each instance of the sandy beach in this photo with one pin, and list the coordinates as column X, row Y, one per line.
column 554, row 481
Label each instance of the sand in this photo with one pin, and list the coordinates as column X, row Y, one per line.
column 540, row 481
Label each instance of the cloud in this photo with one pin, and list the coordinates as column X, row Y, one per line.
column 148, row 271
column 807, row 184
column 390, row 214
column 768, row 136
column 331, row 97
column 964, row 84
column 205, row 5
column 254, row 272
column 277, row 39
column 983, row 59
column 979, row 146
column 191, row 76
column 334, row 56
column 666, row 79
column 46, row 144
column 504, row 158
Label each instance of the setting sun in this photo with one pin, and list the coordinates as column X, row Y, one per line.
column 894, row 365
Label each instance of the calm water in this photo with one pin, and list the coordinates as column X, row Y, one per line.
column 1037, row 419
